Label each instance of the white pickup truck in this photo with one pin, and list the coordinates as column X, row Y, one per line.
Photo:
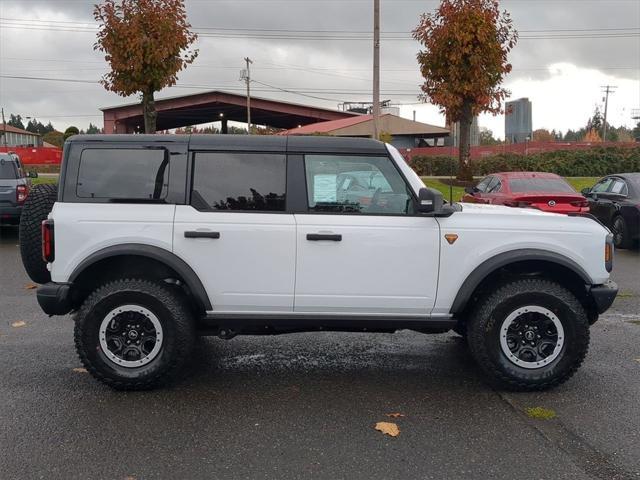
column 153, row 240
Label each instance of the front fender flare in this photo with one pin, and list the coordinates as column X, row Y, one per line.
column 501, row 260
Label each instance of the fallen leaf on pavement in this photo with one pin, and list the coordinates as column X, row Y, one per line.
column 395, row 415
column 540, row 413
column 30, row 286
column 18, row 324
column 388, row 428
column 80, row 370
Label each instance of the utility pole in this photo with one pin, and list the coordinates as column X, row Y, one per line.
column 248, row 80
column 607, row 89
column 4, row 129
column 376, row 69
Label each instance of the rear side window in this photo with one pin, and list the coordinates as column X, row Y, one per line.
column 547, row 185
column 124, row 174
column 7, row 170
column 239, row 182
column 619, row 188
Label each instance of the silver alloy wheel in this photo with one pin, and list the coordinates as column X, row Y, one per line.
column 131, row 336
column 531, row 337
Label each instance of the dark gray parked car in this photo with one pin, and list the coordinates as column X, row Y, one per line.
column 14, row 188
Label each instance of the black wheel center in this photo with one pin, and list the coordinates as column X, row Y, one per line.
column 130, row 336
column 529, row 335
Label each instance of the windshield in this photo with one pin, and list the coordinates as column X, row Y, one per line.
column 7, row 170
column 411, row 176
column 556, row 185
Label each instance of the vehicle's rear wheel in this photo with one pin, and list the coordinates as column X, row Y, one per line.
column 529, row 335
column 36, row 209
column 621, row 237
column 134, row 334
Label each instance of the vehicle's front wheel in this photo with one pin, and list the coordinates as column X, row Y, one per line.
column 134, row 334
column 529, row 335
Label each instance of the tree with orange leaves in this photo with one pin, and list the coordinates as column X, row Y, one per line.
column 464, row 61
column 146, row 43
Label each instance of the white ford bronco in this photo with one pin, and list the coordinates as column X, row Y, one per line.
column 153, row 240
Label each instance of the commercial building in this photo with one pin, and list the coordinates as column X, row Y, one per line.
column 404, row 133
column 474, row 137
column 518, row 121
column 11, row 136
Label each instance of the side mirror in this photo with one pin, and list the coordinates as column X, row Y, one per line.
column 429, row 200
column 585, row 191
column 32, row 174
column 470, row 190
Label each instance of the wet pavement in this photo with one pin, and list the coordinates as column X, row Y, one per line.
column 305, row 405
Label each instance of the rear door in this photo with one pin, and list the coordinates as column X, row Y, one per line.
column 361, row 247
column 236, row 234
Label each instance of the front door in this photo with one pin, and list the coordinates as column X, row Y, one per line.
column 361, row 247
column 236, row 234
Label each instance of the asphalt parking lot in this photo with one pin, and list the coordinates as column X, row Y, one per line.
column 305, row 405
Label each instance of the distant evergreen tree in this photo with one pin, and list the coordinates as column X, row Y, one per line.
column 16, row 121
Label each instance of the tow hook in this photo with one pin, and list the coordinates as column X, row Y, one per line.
column 226, row 334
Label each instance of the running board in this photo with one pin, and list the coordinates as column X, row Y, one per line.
column 228, row 325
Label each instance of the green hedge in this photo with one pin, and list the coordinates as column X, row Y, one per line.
column 594, row 162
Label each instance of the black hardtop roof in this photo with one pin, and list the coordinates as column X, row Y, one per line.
column 267, row 143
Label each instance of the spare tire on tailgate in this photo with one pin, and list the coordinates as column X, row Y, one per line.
column 36, row 209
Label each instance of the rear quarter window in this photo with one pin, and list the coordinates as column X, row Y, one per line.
column 8, row 170
column 123, row 174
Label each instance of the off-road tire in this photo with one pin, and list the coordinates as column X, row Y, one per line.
column 621, row 236
column 36, row 209
column 483, row 334
column 171, row 309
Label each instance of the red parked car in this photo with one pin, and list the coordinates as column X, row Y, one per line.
column 544, row 191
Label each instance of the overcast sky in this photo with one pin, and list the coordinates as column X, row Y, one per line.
column 568, row 50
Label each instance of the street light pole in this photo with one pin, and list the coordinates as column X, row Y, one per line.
column 376, row 69
column 607, row 89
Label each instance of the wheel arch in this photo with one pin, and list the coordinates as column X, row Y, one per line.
column 520, row 262
column 149, row 256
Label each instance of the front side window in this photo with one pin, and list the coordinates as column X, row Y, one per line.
column 124, row 174
column 482, row 186
column 239, row 182
column 353, row 184
column 602, row 186
column 493, row 185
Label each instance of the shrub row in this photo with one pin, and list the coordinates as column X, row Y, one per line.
column 594, row 162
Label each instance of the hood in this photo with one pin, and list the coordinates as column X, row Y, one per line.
column 503, row 210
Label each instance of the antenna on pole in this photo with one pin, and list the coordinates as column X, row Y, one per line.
column 245, row 75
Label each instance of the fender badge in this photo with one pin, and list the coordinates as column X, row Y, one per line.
column 451, row 238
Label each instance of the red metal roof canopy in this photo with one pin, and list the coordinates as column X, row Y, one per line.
column 208, row 107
